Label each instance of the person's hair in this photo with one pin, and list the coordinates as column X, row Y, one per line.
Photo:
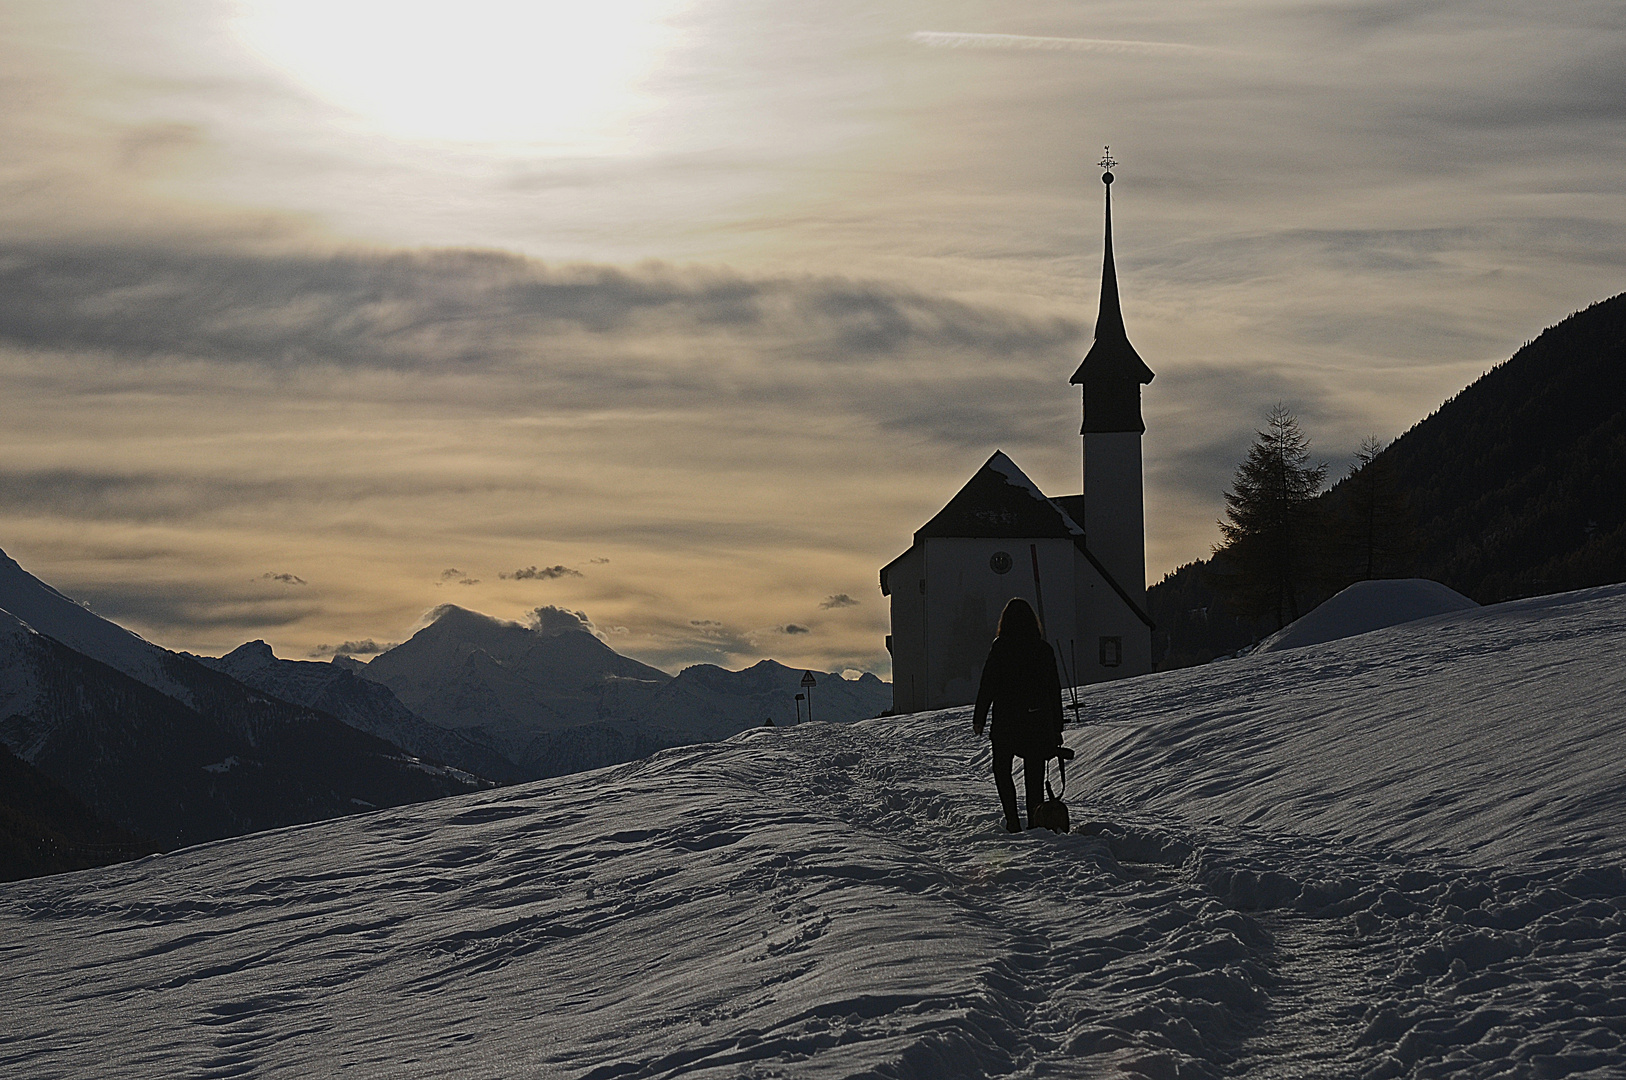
column 1019, row 621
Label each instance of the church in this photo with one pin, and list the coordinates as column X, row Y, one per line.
column 1080, row 560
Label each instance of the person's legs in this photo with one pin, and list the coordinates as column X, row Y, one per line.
column 1033, row 770
column 1006, row 783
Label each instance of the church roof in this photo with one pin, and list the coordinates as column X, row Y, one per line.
column 1000, row 501
column 1112, row 368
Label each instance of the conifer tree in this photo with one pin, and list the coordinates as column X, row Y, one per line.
column 1270, row 521
column 1375, row 531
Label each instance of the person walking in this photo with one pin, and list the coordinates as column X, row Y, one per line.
column 1020, row 687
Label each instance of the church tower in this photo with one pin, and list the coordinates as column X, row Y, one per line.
column 1111, row 376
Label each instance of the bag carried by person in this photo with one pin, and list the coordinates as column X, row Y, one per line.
column 1052, row 813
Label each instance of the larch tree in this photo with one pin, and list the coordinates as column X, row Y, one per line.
column 1376, row 534
column 1270, row 525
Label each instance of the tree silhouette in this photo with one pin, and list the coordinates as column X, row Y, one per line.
column 1514, row 487
column 1270, row 521
column 1375, row 533
column 1367, row 478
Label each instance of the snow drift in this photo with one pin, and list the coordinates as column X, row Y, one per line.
column 1400, row 856
column 1366, row 606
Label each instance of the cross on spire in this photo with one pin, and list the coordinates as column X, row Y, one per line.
column 1106, row 161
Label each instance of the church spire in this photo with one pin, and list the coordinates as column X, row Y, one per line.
column 1112, row 371
column 1109, row 321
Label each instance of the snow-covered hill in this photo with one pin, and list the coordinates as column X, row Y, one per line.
column 1490, row 734
column 1394, row 855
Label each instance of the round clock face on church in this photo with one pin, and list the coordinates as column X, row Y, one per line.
column 1000, row 562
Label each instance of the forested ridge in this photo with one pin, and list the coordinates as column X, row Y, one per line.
column 1514, row 487
column 45, row 829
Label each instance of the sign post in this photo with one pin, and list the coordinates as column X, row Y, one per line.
column 809, row 682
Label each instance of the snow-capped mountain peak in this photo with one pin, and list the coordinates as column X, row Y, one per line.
column 57, row 616
column 555, row 698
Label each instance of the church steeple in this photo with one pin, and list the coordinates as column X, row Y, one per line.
column 1112, row 372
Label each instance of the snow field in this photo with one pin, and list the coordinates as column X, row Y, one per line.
column 736, row 908
column 1494, row 734
column 1350, row 860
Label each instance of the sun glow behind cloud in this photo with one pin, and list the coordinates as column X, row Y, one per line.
column 544, row 71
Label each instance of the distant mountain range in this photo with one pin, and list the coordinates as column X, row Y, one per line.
column 115, row 745
column 555, row 703
column 336, row 689
column 225, row 760
column 1515, row 487
column 512, row 702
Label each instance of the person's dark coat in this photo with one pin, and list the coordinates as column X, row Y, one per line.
column 1021, row 687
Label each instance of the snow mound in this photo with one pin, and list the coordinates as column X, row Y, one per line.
column 1366, row 606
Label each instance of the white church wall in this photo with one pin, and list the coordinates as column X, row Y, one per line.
column 941, row 633
column 965, row 593
column 1113, row 642
column 906, row 581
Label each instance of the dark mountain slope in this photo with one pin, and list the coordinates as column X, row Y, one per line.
column 44, row 829
column 237, row 763
column 1515, row 487
column 1519, row 482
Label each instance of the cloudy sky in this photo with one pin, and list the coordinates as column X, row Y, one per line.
column 684, row 314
